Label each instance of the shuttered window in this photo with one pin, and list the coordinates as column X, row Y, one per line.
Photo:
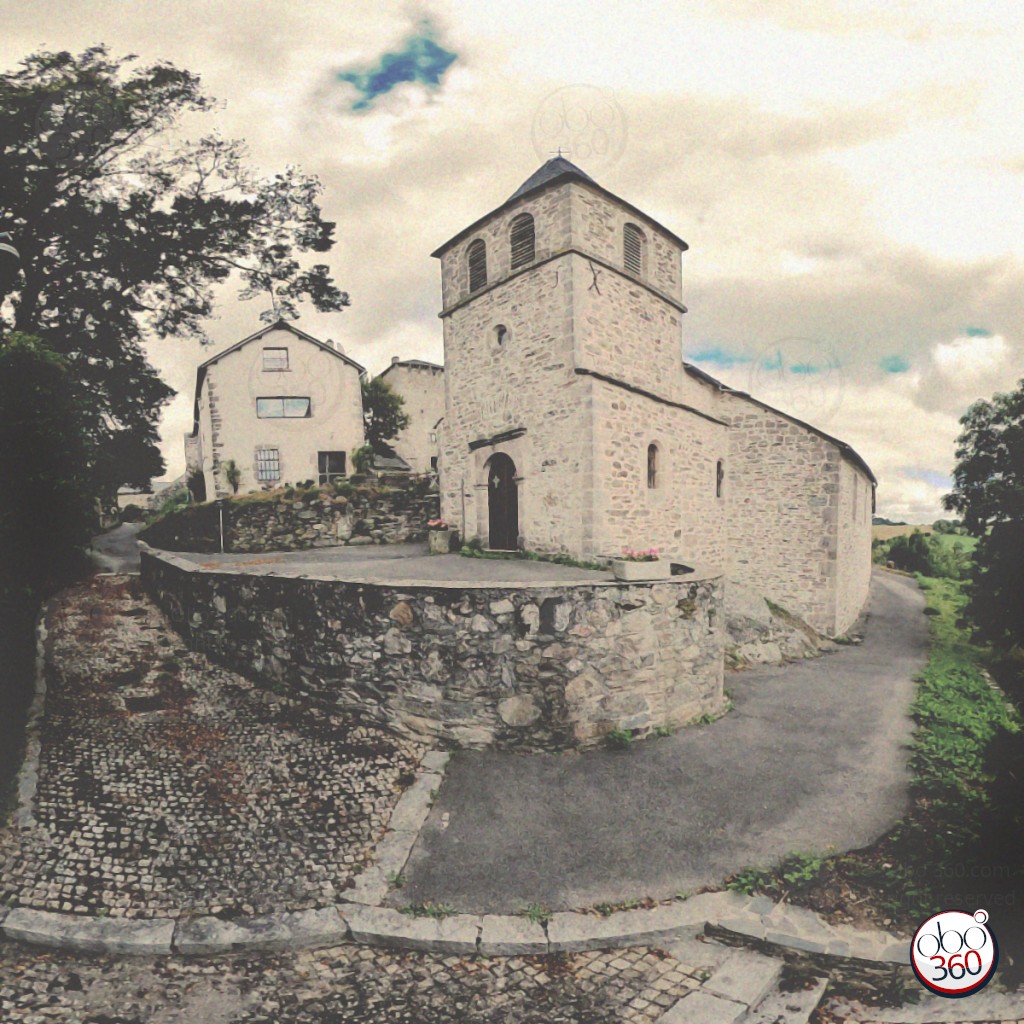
column 477, row 255
column 522, row 240
column 268, row 465
column 633, row 249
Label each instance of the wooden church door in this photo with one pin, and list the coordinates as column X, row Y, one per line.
column 502, row 504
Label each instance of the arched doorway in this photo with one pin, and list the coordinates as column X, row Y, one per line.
column 502, row 504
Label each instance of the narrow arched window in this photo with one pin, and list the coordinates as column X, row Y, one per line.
column 719, row 478
column 652, row 466
column 521, row 240
column 477, row 255
column 633, row 249
column 501, row 334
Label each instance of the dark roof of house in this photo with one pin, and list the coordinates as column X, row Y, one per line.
column 386, row 458
column 843, row 447
column 556, row 171
column 419, row 364
column 277, row 325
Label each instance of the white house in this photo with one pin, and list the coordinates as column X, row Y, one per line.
column 281, row 406
column 421, row 386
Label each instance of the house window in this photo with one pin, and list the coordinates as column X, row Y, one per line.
column 633, row 249
column 652, row 466
column 501, row 334
column 275, row 359
column 282, row 408
column 477, row 254
column 719, row 477
column 433, row 463
column 268, row 465
column 330, row 466
column 521, row 238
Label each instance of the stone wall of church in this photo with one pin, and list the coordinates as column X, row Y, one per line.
column 597, row 229
column 681, row 516
column 784, row 491
column 551, row 225
column 853, row 549
column 523, row 383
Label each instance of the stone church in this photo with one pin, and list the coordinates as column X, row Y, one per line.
column 573, row 424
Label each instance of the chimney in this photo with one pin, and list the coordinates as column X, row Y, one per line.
column 395, row 359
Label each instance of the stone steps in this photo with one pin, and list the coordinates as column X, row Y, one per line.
column 745, row 989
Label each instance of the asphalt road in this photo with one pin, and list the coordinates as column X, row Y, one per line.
column 117, row 549
column 813, row 758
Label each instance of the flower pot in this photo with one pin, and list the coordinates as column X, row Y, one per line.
column 439, row 541
column 659, row 569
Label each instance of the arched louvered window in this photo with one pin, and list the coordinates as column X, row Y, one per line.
column 633, row 249
column 521, row 238
column 652, row 466
column 477, row 254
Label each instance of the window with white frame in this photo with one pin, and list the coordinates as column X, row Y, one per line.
column 275, row 359
column 282, row 408
column 268, row 465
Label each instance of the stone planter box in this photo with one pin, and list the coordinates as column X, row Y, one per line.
column 439, row 541
column 660, row 569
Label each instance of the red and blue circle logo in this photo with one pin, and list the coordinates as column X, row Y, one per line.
column 954, row 953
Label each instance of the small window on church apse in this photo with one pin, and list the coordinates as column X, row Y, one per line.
column 652, row 466
column 719, row 477
column 501, row 335
column 521, row 240
column 476, row 255
column 633, row 249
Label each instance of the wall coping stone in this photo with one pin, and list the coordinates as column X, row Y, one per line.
column 700, row 574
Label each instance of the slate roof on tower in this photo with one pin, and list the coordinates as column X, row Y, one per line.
column 554, row 172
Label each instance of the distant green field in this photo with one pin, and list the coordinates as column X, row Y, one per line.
column 949, row 539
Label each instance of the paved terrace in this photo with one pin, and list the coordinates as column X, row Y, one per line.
column 398, row 563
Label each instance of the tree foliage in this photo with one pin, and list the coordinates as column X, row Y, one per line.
column 126, row 230
column 46, row 508
column 383, row 414
column 988, row 492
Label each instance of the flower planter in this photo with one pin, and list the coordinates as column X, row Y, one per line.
column 660, row 569
column 439, row 541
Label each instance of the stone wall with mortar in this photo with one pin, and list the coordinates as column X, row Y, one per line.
column 681, row 515
column 853, row 545
column 315, row 519
column 519, row 666
column 524, row 385
column 783, row 484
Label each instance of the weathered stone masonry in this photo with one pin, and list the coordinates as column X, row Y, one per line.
column 519, row 666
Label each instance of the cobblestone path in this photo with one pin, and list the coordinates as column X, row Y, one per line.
column 348, row 983
column 167, row 784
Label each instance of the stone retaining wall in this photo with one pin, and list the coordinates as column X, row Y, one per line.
column 307, row 519
column 519, row 666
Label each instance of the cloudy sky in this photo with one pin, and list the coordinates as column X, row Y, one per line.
column 848, row 174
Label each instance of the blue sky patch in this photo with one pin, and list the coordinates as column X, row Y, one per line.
column 421, row 60
column 804, row 368
column 928, row 476
column 977, row 332
column 894, row 364
column 717, row 356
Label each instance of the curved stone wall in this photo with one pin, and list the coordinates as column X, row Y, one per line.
column 516, row 666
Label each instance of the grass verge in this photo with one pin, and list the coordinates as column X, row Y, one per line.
column 910, row 872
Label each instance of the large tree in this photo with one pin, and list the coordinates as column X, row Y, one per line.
column 988, row 492
column 383, row 415
column 126, row 228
